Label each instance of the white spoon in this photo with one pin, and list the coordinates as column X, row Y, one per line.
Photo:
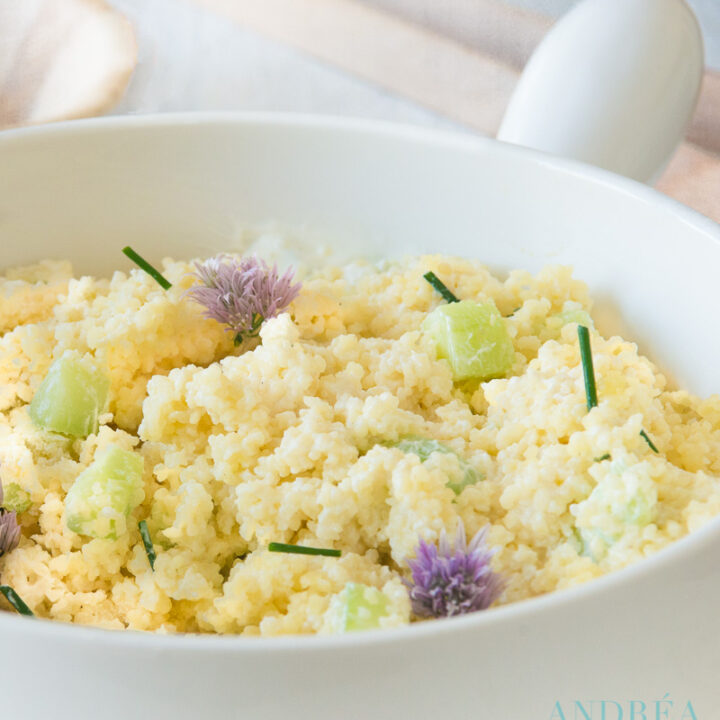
column 613, row 84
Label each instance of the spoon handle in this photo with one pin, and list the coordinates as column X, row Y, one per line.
column 613, row 84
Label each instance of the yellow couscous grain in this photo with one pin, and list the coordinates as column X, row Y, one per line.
column 289, row 439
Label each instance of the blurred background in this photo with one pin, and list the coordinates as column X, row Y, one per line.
column 443, row 63
column 199, row 55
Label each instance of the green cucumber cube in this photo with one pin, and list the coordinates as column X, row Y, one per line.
column 594, row 543
column 424, row 448
column 105, row 493
column 362, row 607
column 579, row 316
column 16, row 499
column 572, row 312
column 71, row 397
column 625, row 496
column 473, row 338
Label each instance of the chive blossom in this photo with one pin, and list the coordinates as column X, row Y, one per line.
column 148, row 543
column 15, row 600
column 243, row 293
column 450, row 580
column 148, row 268
column 588, row 370
column 647, row 439
column 440, row 286
column 302, row 550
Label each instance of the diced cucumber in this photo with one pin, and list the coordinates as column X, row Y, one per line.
column 625, row 496
column 105, row 493
column 71, row 397
column 572, row 312
column 575, row 315
column 629, row 493
column 362, row 607
column 424, row 448
column 594, row 543
column 640, row 509
column 473, row 338
column 16, row 499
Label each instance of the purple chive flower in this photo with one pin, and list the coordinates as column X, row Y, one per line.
column 242, row 294
column 450, row 581
column 9, row 528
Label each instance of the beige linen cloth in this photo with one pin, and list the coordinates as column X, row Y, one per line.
column 460, row 58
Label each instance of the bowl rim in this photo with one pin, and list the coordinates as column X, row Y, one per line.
column 449, row 139
column 443, row 139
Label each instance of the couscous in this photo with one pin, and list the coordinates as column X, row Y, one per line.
column 434, row 457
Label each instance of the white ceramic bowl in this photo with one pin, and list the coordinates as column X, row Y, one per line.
column 184, row 186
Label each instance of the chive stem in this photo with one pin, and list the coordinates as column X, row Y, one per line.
column 604, row 457
column 440, row 286
column 647, row 439
column 15, row 600
column 302, row 550
column 148, row 543
column 148, row 268
column 588, row 370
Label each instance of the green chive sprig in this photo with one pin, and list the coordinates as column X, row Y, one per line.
column 588, row 370
column 148, row 543
column 441, row 287
column 15, row 600
column 647, row 439
column 302, row 550
column 143, row 264
column 602, row 458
